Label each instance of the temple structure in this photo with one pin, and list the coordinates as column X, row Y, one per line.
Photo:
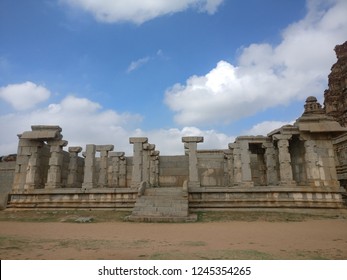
column 303, row 165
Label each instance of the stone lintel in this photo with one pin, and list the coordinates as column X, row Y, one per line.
column 192, row 139
column 252, row 139
column 116, row 154
column 76, row 149
column 101, row 148
column 148, row 146
column 133, row 140
column 282, row 136
column 46, row 127
column 41, row 135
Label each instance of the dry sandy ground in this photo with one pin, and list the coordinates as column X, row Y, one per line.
column 312, row 239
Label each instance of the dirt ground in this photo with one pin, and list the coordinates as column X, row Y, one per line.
column 306, row 237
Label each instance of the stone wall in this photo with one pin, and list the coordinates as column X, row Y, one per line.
column 340, row 148
column 6, row 181
column 173, row 171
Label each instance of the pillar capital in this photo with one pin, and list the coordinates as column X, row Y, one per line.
column 133, row 140
column 104, row 148
column 76, row 149
column 116, row 154
column 192, row 139
column 147, row 146
column 282, row 136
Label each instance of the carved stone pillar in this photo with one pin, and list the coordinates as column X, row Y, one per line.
column 146, row 155
column 33, row 178
column 137, row 176
column 271, row 166
column 122, row 172
column 286, row 173
column 191, row 145
column 154, row 168
column 312, row 164
column 237, row 174
column 228, row 168
column 55, row 164
column 23, row 156
column 104, row 150
column 246, row 164
column 73, row 167
column 114, row 169
column 89, row 167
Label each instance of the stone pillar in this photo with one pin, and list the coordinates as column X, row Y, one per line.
column 55, row 164
column 246, row 164
column 228, row 168
column 191, row 145
column 122, row 172
column 33, row 178
column 271, row 165
column 312, row 164
column 286, row 173
column 114, row 169
column 237, row 174
column 154, row 169
column 137, row 160
column 89, row 167
column 147, row 149
column 104, row 150
column 73, row 167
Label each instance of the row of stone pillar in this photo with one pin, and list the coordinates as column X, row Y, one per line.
column 145, row 162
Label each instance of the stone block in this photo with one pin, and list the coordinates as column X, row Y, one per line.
column 75, row 149
column 133, row 140
column 194, row 139
column 100, row 148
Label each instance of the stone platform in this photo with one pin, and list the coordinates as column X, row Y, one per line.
column 210, row 199
column 76, row 198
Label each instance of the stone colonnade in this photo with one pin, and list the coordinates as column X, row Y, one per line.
column 294, row 155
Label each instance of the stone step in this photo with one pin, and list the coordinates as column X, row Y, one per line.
column 160, row 205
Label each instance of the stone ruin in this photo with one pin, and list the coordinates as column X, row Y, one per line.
column 303, row 165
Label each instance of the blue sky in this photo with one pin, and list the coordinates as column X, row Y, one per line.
column 111, row 69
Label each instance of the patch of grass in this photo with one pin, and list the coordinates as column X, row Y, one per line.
column 193, row 243
column 267, row 216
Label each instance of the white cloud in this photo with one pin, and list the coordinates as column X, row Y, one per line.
column 265, row 127
column 24, row 96
column 86, row 122
column 139, row 11
column 266, row 76
column 138, row 63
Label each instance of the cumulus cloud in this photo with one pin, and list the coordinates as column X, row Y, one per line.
column 139, row 11
column 24, row 96
column 85, row 122
column 265, row 127
column 265, row 75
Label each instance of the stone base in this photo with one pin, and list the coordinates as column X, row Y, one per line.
column 206, row 199
column 114, row 198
